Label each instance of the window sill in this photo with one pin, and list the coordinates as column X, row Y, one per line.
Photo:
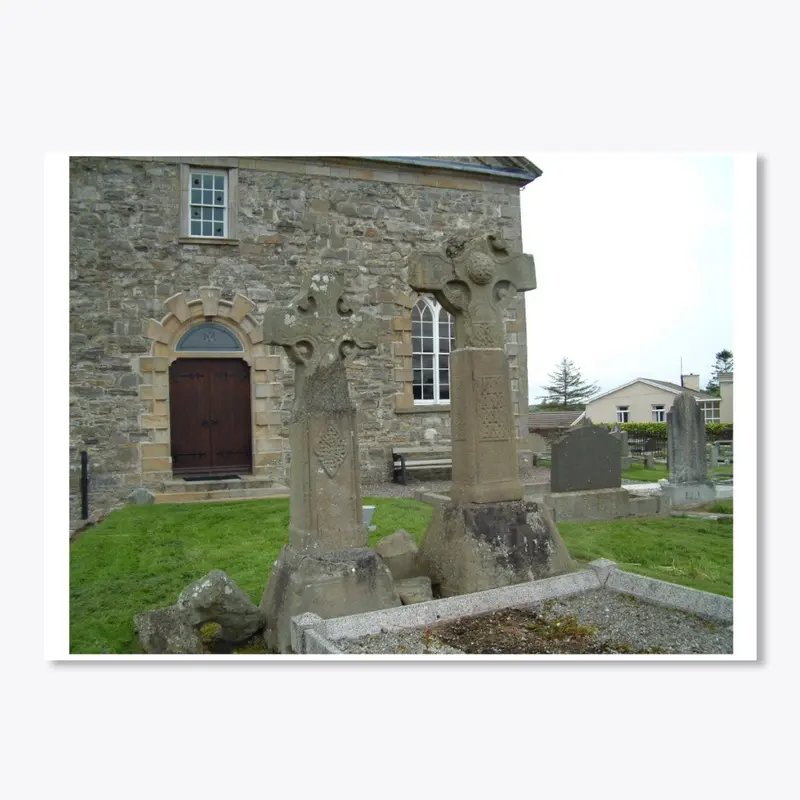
column 207, row 240
column 428, row 408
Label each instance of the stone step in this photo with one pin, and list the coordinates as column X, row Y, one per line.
column 255, row 493
column 179, row 486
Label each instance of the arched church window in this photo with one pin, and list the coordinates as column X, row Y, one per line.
column 432, row 339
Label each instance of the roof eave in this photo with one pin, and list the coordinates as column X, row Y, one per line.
column 523, row 176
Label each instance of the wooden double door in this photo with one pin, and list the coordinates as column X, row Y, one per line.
column 210, row 421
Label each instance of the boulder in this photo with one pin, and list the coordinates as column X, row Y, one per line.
column 216, row 598
column 399, row 552
column 141, row 496
column 414, row 590
column 167, row 631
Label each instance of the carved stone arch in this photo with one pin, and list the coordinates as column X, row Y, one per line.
column 236, row 315
column 183, row 314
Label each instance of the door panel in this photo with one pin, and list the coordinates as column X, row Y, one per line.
column 210, row 417
column 229, row 393
column 188, row 410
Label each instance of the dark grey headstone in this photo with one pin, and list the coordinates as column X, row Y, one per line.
column 586, row 458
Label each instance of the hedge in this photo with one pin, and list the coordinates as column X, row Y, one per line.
column 658, row 430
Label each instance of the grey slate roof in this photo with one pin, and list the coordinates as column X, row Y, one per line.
column 675, row 387
column 541, row 420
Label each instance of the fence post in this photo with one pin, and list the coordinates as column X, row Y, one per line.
column 84, row 485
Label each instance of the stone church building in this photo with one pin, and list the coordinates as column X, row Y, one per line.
column 174, row 263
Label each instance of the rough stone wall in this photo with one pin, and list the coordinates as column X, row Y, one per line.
column 294, row 217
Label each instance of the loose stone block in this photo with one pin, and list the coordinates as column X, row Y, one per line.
column 414, row 590
column 167, row 631
column 217, row 598
column 400, row 554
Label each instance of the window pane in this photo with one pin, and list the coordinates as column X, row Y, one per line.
column 219, row 198
column 208, row 181
column 427, row 391
column 444, row 392
column 218, row 214
column 444, row 345
column 427, row 345
column 206, row 213
column 443, row 377
column 444, row 362
column 195, row 213
column 218, row 230
column 417, row 391
column 208, row 198
column 219, row 181
column 195, row 228
column 197, row 196
column 196, row 180
column 206, row 229
column 427, row 362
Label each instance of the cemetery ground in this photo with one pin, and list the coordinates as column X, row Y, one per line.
column 638, row 472
column 143, row 556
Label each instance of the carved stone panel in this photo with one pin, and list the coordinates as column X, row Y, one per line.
column 491, row 402
column 331, row 450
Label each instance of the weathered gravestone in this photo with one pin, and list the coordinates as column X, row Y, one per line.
column 326, row 568
column 486, row 535
column 688, row 483
column 625, row 451
column 585, row 475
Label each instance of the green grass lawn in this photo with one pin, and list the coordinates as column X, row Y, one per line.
column 693, row 552
column 637, row 472
column 142, row 557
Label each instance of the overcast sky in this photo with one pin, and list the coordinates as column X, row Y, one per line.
column 634, row 265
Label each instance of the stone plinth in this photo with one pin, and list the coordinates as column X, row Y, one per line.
column 329, row 584
column 689, row 495
column 598, row 504
column 470, row 547
column 485, row 465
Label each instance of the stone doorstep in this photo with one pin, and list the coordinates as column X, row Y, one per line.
column 320, row 636
column 250, row 493
column 180, row 486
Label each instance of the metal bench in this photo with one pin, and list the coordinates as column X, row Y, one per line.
column 409, row 458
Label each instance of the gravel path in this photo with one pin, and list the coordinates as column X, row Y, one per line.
column 391, row 489
column 616, row 619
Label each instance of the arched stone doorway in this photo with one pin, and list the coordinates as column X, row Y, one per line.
column 212, row 389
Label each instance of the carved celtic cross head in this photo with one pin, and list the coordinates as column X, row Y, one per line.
column 474, row 280
column 319, row 326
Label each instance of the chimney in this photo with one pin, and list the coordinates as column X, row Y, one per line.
column 691, row 381
column 725, row 396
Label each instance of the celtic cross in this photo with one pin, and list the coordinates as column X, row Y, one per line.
column 319, row 330
column 474, row 281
